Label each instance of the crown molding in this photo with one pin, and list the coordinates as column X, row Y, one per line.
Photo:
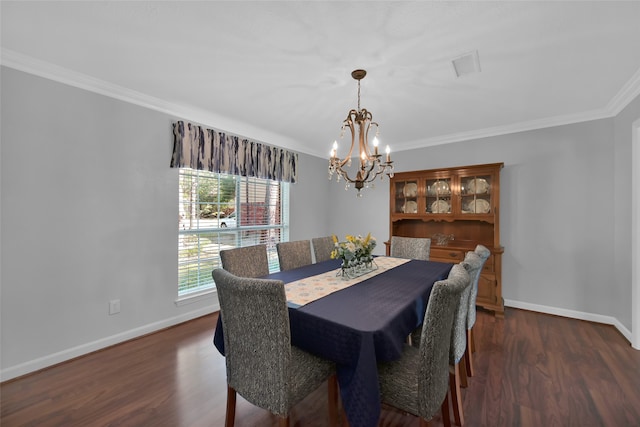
column 508, row 129
column 69, row 77
column 50, row 71
column 628, row 93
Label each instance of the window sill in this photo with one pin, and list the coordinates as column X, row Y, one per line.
column 197, row 296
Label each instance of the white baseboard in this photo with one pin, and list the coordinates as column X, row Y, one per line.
column 573, row 314
column 62, row 356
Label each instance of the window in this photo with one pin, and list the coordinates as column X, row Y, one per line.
column 217, row 212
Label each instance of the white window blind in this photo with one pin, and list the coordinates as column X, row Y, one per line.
column 217, row 212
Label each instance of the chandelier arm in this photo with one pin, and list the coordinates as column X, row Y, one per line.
column 374, row 155
column 349, row 122
column 367, row 177
column 366, row 118
column 345, row 176
column 341, row 173
column 362, row 146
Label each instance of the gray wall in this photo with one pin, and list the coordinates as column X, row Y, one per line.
column 621, row 296
column 87, row 216
column 310, row 200
column 89, row 208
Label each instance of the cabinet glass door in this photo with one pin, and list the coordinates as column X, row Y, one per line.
column 438, row 196
column 475, row 192
column 406, row 196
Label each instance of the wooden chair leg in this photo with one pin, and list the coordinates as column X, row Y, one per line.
column 284, row 421
column 444, row 408
column 231, row 407
column 462, row 365
column 472, row 340
column 456, row 395
column 468, row 353
column 332, row 383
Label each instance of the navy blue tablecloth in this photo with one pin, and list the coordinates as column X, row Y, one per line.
column 360, row 326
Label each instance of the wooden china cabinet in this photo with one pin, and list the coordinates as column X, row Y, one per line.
column 457, row 208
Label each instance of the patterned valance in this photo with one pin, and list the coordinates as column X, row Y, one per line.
column 207, row 149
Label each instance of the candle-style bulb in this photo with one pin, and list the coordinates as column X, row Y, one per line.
column 388, row 151
column 334, row 149
column 375, row 145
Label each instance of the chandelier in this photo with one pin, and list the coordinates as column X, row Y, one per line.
column 370, row 165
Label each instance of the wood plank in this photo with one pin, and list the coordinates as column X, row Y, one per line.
column 531, row 369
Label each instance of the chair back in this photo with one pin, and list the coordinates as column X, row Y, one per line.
column 460, row 272
column 248, row 261
column 322, row 248
column 433, row 379
column 257, row 338
column 294, row 254
column 483, row 254
column 410, row 247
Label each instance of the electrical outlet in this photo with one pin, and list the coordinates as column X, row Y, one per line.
column 114, row 306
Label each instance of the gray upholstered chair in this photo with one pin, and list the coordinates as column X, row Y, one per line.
column 294, row 254
column 457, row 362
column 262, row 365
column 417, row 383
column 457, row 366
column 322, row 248
column 484, row 254
column 410, row 247
column 248, row 261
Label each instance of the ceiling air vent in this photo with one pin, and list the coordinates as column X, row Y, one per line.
column 468, row 63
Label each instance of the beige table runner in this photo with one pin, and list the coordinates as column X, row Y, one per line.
column 309, row 289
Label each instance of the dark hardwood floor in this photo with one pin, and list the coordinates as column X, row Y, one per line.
column 531, row 370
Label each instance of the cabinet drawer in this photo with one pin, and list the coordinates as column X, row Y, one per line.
column 446, row 255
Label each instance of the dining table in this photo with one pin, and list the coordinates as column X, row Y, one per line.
column 356, row 322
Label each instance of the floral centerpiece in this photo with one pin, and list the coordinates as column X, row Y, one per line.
column 356, row 254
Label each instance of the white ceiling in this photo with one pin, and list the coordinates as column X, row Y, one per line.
column 279, row 72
